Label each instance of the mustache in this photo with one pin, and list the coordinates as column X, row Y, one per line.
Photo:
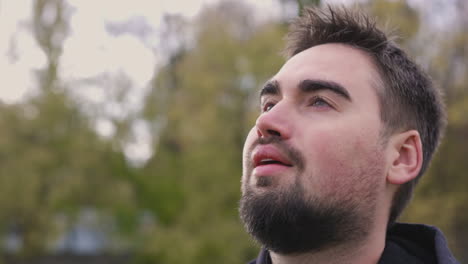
column 291, row 153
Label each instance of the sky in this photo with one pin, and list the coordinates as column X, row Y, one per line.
column 89, row 50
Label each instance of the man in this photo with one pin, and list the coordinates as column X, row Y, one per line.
column 347, row 127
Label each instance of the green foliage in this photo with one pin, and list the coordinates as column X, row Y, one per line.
column 301, row 4
column 207, row 112
column 53, row 163
column 440, row 198
column 396, row 16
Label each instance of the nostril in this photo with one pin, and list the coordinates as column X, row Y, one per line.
column 274, row 132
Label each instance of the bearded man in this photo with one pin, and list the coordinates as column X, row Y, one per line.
column 347, row 127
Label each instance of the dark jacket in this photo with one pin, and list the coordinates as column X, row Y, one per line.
column 405, row 243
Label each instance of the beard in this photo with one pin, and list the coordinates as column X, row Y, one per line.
column 289, row 221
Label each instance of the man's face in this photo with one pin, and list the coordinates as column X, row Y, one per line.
column 314, row 163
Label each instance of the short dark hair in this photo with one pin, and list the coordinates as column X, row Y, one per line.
column 408, row 98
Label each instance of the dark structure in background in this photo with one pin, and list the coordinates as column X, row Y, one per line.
column 70, row 259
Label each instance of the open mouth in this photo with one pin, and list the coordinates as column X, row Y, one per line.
column 270, row 155
column 268, row 161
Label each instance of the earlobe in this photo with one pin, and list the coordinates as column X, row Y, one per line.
column 407, row 158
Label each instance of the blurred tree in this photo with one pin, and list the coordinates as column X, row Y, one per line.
column 440, row 198
column 53, row 162
column 30, row 214
column 403, row 20
column 298, row 5
column 50, row 28
column 202, row 101
column 302, row 3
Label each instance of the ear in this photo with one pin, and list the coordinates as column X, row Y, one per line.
column 406, row 158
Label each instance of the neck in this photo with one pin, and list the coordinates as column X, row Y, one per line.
column 367, row 251
column 355, row 255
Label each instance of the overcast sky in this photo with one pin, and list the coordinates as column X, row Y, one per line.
column 89, row 49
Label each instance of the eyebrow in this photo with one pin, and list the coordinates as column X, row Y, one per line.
column 308, row 86
column 270, row 88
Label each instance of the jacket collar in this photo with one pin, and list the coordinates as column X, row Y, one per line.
column 405, row 243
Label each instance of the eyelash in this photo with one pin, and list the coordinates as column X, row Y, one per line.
column 316, row 99
column 313, row 100
column 266, row 105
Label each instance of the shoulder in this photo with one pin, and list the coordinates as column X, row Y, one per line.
column 422, row 241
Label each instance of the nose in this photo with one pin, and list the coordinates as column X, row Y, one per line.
column 275, row 123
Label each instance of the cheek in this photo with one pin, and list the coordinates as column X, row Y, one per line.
column 341, row 163
column 251, row 137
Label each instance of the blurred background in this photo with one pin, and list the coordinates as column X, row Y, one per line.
column 122, row 123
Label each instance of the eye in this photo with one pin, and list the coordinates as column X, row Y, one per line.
column 318, row 101
column 267, row 106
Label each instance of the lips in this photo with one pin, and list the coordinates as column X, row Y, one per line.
column 269, row 155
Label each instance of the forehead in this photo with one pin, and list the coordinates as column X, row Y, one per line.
column 343, row 64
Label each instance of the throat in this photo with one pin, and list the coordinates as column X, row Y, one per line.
column 358, row 253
